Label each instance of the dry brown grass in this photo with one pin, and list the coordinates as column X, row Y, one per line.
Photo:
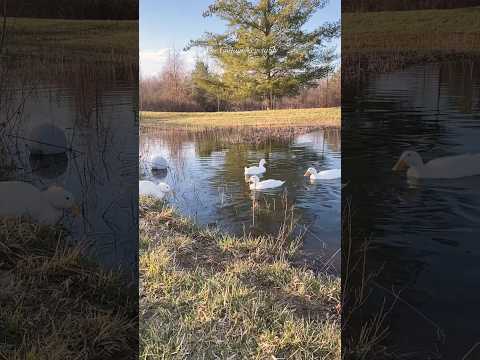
column 425, row 30
column 376, row 42
column 57, row 304
column 321, row 117
column 247, row 127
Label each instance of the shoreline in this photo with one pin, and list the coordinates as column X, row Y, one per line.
column 247, row 127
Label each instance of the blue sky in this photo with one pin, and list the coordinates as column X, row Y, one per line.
column 168, row 24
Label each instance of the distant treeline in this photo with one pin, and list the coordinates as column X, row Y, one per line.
column 155, row 96
column 73, row 9
column 170, row 92
column 391, row 5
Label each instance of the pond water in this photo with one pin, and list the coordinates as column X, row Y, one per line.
column 207, row 177
column 424, row 236
column 99, row 165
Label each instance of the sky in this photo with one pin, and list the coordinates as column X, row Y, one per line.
column 168, row 24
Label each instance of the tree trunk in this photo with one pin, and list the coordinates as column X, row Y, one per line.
column 270, row 100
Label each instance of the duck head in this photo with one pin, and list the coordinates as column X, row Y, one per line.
column 310, row 171
column 61, row 199
column 164, row 187
column 408, row 159
column 262, row 163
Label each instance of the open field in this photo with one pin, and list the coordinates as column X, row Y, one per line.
column 55, row 301
column 205, row 294
column 323, row 117
column 445, row 30
column 377, row 42
column 113, row 38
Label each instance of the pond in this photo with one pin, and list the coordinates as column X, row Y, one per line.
column 423, row 236
column 98, row 163
column 209, row 186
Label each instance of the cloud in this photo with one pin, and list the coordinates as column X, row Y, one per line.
column 154, row 55
column 152, row 62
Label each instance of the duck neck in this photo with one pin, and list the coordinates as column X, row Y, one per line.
column 416, row 170
column 418, row 166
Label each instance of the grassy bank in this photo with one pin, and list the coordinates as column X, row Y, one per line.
column 56, row 37
column 446, row 30
column 323, row 117
column 56, row 303
column 376, row 42
column 207, row 295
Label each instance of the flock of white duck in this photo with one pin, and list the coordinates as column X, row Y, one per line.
column 48, row 206
column 252, row 175
column 450, row 167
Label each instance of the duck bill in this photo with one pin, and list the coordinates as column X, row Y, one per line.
column 307, row 174
column 400, row 165
column 76, row 211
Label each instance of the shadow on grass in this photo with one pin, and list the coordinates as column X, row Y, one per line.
column 56, row 301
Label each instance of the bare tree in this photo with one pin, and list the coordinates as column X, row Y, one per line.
column 171, row 90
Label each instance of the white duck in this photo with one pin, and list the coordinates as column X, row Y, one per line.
column 323, row 175
column 159, row 163
column 149, row 188
column 46, row 207
column 449, row 167
column 256, row 184
column 256, row 170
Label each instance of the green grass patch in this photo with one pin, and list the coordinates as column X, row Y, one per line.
column 325, row 117
column 207, row 295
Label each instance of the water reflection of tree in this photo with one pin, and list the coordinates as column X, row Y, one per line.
column 330, row 138
column 459, row 77
column 376, row 129
column 270, row 208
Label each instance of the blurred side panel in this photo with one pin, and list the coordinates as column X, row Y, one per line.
column 69, row 179
column 410, row 95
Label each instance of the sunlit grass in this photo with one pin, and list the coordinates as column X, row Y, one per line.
column 324, row 117
column 209, row 295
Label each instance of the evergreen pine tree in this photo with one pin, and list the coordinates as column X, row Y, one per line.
column 266, row 53
column 208, row 89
